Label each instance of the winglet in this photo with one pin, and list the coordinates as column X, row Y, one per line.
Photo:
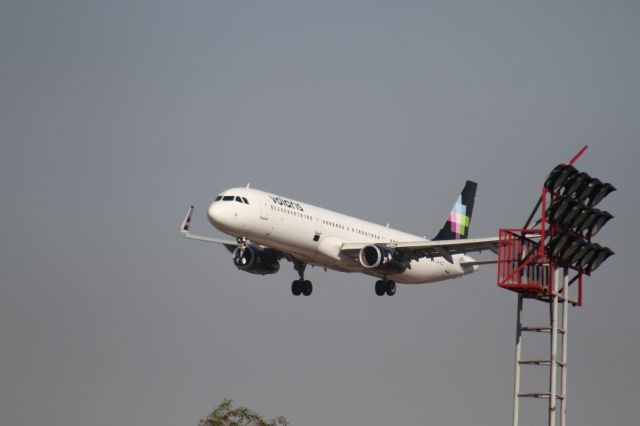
column 187, row 221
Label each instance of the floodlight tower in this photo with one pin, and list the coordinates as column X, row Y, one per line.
column 546, row 262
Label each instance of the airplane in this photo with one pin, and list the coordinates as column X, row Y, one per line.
column 269, row 228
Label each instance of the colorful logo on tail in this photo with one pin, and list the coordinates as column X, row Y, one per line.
column 459, row 219
column 456, row 227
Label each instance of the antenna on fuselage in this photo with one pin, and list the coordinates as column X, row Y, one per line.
column 248, row 184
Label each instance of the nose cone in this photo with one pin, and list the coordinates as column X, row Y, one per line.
column 218, row 215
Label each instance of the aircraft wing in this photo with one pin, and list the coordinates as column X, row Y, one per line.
column 439, row 248
column 184, row 230
column 230, row 245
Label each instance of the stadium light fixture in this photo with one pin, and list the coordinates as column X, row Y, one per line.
column 579, row 254
column 574, row 220
column 601, row 255
column 569, row 217
column 593, row 250
column 580, row 218
column 558, row 208
column 600, row 221
column 589, row 188
column 559, row 176
column 577, row 181
column 569, row 249
column 559, row 243
column 600, row 192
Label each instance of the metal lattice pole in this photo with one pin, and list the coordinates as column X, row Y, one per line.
column 553, row 361
column 565, row 323
column 516, row 392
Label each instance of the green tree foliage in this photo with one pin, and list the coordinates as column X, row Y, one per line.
column 226, row 415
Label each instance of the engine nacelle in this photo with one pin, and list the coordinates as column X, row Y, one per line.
column 255, row 260
column 380, row 258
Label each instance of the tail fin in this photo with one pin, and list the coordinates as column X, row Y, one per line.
column 459, row 219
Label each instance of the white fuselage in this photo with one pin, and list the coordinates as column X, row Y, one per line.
column 315, row 235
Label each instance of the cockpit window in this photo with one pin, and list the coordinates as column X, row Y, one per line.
column 232, row 198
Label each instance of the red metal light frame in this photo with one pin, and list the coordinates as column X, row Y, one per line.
column 523, row 264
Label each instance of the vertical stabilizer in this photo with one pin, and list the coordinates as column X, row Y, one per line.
column 457, row 225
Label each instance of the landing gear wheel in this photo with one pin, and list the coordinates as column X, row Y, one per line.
column 390, row 288
column 380, row 288
column 296, row 287
column 307, row 287
column 301, row 286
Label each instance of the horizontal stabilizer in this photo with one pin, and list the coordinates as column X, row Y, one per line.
column 479, row 262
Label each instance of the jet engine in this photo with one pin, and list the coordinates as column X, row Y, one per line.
column 381, row 258
column 255, row 260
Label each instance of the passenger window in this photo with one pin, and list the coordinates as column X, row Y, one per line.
column 245, row 200
column 218, row 198
column 228, row 198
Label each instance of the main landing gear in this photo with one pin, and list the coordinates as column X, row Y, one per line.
column 387, row 287
column 301, row 286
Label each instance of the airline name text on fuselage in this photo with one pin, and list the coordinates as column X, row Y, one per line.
column 284, row 202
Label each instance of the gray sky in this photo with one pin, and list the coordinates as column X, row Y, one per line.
column 115, row 116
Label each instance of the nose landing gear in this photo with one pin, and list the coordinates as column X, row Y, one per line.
column 301, row 286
